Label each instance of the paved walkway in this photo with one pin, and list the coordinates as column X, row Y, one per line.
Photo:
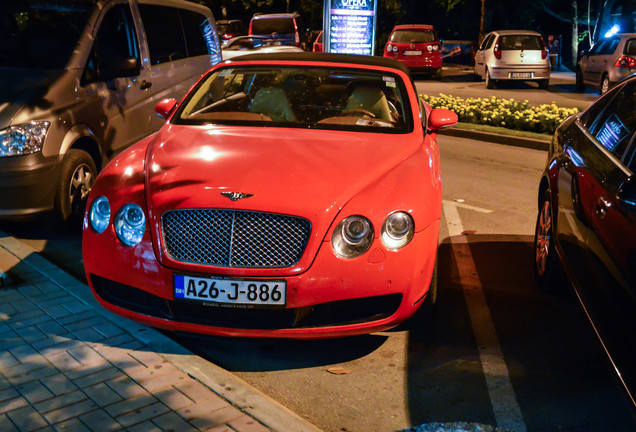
column 66, row 364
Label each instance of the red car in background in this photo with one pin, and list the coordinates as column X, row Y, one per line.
column 417, row 46
column 317, row 46
column 287, row 195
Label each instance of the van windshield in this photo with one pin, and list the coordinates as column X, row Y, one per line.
column 37, row 34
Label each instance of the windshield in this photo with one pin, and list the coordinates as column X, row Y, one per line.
column 413, row 36
column 37, row 34
column 273, row 25
column 299, row 97
column 520, row 42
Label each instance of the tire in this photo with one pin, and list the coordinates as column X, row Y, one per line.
column 605, row 84
column 490, row 83
column 438, row 75
column 76, row 179
column 431, row 297
column 546, row 262
column 544, row 84
column 579, row 86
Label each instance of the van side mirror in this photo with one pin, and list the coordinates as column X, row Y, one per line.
column 441, row 118
column 627, row 194
column 165, row 107
column 117, row 68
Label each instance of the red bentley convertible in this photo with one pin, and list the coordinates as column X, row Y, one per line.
column 287, row 195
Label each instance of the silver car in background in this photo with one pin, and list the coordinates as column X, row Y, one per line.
column 608, row 62
column 80, row 80
column 519, row 55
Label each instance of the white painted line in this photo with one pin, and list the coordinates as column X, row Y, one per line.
column 502, row 395
column 467, row 206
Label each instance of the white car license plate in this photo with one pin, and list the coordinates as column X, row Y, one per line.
column 230, row 291
column 413, row 53
column 521, row 75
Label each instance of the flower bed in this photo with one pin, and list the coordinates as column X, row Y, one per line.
column 507, row 113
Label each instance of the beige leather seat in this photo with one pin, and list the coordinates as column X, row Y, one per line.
column 273, row 103
column 371, row 99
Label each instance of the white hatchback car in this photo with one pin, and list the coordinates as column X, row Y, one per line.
column 513, row 55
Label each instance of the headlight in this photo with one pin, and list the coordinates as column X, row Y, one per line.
column 130, row 224
column 100, row 214
column 352, row 237
column 23, row 139
column 397, row 230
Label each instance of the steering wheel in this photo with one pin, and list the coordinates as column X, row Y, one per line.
column 358, row 111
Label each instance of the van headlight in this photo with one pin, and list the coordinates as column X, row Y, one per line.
column 23, row 139
column 352, row 237
column 397, row 230
column 130, row 224
column 99, row 215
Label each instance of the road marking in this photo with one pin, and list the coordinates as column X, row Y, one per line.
column 461, row 204
column 502, row 395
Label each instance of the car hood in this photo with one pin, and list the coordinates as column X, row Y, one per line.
column 28, row 87
column 298, row 172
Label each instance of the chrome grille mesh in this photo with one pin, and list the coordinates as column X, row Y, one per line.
column 234, row 238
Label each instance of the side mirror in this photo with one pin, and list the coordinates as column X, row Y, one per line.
column 116, row 68
column 441, row 118
column 165, row 107
column 627, row 194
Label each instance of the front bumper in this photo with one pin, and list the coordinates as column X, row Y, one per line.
column 333, row 298
column 27, row 184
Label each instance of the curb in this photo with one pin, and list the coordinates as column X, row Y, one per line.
column 229, row 387
column 530, row 143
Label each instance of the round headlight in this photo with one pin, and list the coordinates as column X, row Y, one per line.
column 130, row 224
column 100, row 214
column 352, row 237
column 397, row 230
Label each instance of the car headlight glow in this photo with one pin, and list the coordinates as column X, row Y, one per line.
column 397, row 230
column 23, row 139
column 352, row 237
column 100, row 214
column 130, row 224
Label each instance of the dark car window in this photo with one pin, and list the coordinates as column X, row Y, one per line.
column 198, row 33
column 116, row 40
column 488, row 42
column 41, row 34
column 617, row 123
column 165, row 37
column 630, row 47
column 413, row 36
column 273, row 25
column 520, row 42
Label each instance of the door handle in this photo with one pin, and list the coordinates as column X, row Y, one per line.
column 145, row 85
column 602, row 206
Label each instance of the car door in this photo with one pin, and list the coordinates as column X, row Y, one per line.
column 589, row 64
column 480, row 55
column 116, row 112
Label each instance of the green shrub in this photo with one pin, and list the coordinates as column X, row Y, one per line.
column 508, row 113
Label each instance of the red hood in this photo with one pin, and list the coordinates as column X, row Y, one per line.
column 290, row 171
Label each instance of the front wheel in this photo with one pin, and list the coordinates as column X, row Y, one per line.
column 76, row 179
column 545, row 259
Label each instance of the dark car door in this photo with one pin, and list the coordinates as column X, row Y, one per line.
column 610, row 298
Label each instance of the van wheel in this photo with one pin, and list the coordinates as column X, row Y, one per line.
column 605, row 84
column 579, row 86
column 76, row 179
column 490, row 83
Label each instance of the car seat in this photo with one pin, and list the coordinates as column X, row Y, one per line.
column 273, row 103
column 369, row 98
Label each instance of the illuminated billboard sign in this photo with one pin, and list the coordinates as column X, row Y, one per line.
column 349, row 26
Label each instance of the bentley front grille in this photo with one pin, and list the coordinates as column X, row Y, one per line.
column 234, row 238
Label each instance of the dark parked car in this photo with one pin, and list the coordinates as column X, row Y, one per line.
column 288, row 27
column 228, row 29
column 587, row 220
column 608, row 62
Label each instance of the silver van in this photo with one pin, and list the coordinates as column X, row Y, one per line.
column 78, row 83
column 513, row 55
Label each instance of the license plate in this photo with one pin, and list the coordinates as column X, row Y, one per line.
column 413, row 53
column 230, row 291
column 521, row 75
